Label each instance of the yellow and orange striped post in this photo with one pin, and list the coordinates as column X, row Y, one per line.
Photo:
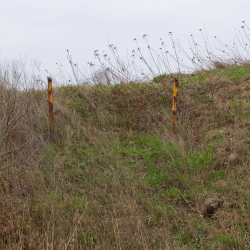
column 174, row 104
column 50, row 99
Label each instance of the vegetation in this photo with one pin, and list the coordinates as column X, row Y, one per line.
column 114, row 177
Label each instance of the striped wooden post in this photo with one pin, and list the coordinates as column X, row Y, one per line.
column 50, row 99
column 174, row 104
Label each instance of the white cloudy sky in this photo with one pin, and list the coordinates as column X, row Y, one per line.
column 45, row 29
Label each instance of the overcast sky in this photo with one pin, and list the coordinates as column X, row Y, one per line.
column 45, row 29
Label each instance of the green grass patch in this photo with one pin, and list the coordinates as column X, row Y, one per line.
column 159, row 77
column 229, row 241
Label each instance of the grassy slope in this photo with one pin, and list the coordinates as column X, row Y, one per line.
column 115, row 178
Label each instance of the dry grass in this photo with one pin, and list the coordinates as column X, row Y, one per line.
column 114, row 177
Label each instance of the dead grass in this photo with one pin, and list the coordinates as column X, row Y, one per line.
column 114, row 177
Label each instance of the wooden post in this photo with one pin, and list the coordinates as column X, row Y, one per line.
column 50, row 99
column 174, row 104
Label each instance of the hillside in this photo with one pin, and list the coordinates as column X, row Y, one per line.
column 115, row 177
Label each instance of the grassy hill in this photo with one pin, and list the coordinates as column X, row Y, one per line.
column 114, row 177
